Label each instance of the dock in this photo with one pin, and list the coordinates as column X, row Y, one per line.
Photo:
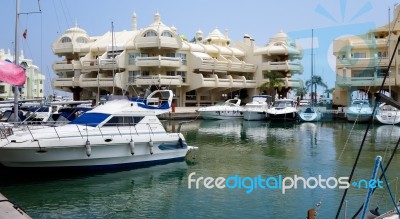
column 181, row 113
column 8, row 210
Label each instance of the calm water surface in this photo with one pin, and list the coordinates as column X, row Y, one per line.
column 226, row 148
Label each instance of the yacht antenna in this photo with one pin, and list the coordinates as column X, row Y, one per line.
column 113, row 58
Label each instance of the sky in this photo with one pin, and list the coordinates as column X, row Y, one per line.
column 261, row 19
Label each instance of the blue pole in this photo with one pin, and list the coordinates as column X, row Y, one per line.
column 378, row 160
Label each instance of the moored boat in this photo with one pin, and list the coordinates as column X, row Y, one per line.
column 359, row 110
column 118, row 133
column 230, row 109
column 257, row 108
column 283, row 109
column 387, row 114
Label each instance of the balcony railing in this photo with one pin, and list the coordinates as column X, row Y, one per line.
column 158, row 61
column 292, row 66
column 158, row 80
column 66, row 65
column 62, row 82
column 213, row 81
column 363, row 62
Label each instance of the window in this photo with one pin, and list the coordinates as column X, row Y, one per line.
column 359, row 55
column 123, row 120
column 132, row 58
column 133, row 75
column 145, row 73
column 150, row 33
column 81, row 40
column 382, row 54
column 166, row 34
column 66, row 40
column 183, row 57
column 144, row 55
column 170, row 73
column 172, row 55
column 183, row 75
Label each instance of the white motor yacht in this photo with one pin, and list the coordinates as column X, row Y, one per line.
column 359, row 110
column 283, row 109
column 118, row 133
column 230, row 109
column 257, row 108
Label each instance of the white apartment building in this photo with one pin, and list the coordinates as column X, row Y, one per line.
column 361, row 62
column 200, row 71
column 34, row 85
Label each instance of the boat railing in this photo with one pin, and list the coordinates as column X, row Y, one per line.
column 87, row 130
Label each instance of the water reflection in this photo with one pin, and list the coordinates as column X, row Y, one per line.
column 226, row 148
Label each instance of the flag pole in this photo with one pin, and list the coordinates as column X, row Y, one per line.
column 16, row 60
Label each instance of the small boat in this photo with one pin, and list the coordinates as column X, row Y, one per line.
column 310, row 115
column 359, row 110
column 230, row 109
column 387, row 114
column 257, row 109
column 119, row 133
column 283, row 109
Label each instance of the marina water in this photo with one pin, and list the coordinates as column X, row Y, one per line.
column 226, row 148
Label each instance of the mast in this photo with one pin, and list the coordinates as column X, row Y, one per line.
column 390, row 79
column 312, row 67
column 16, row 59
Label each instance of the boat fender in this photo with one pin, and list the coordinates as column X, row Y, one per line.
column 88, row 148
column 132, row 146
column 180, row 142
column 151, row 144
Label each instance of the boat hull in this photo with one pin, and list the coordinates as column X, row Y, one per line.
column 74, row 153
column 310, row 115
column 351, row 117
column 254, row 115
column 388, row 117
column 227, row 114
column 282, row 116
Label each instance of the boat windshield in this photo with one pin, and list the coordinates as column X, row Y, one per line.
column 90, row 119
column 282, row 104
column 360, row 102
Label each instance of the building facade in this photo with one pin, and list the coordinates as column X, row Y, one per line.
column 200, row 71
column 34, row 85
column 361, row 62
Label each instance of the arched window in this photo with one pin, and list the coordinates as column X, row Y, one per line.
column 81, row 40
column 166, row 34
column 66, row 40
column 150, row 33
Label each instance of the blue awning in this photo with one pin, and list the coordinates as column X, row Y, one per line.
column 90, row 119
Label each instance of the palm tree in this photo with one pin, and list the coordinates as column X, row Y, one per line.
column 274, row 83
column 329, row 91
column 315, row 81
column 301, row 91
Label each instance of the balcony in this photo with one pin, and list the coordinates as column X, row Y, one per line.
column 293, row 82
column 369, row 44
column 61, row 66
column 157, row 42
column 213, row 81
column 158, row 61
column 63, row 82
column 158, row 80
column 363, row 62
column 364, row 81
column 95, row 82
column 67, row 48
column 286, row 66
